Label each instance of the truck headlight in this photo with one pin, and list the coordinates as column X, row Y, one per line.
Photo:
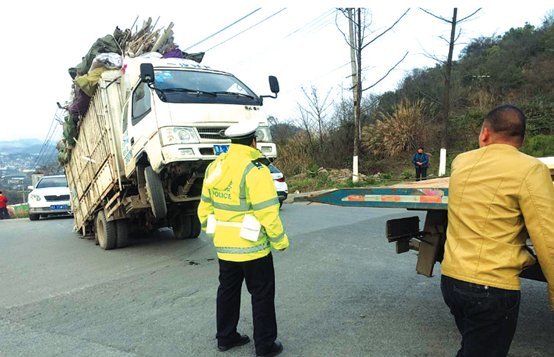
column 178, row 135
column 263, row 134
column 34, row 197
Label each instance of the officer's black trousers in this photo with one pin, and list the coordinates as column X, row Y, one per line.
column 260, row 282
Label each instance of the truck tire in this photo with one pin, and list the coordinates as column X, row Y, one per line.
column 122, row 228
column 106, row 232
column 196, row 227
column 181, row 224
column 156, row 195
column 34, row 217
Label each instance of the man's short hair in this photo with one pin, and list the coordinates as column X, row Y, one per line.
column 243, row 141
column 508, row 121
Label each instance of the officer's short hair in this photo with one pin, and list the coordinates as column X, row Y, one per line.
column 507, row 121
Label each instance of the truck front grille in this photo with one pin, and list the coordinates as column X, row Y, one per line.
column 211, row 133
column 56, row 198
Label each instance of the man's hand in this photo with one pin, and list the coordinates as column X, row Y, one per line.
column 419, row 163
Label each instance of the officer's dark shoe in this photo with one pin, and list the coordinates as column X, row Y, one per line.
column 242, row 340
column 276, row 349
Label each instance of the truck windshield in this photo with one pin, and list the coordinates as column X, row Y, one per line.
column 185, row 86
column 52, row 182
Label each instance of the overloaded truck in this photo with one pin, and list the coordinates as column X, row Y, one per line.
column 143, row 145
column 430, row 196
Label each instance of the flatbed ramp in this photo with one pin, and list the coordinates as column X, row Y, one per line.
column 421, row 195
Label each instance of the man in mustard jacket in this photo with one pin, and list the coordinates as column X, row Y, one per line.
column 239, row 205
column 498, row 197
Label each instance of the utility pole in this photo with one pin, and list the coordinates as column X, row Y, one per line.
column 445, row 102
column 357, row 41
column 446, row 96
column 356, row 90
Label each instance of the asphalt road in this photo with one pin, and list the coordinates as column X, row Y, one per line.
column 341, row 291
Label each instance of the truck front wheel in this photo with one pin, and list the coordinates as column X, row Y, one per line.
column 185, row 226
column 181, row 224
column 155, row 191
column 106, row 232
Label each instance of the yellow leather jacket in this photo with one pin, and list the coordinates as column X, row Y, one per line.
column 497, row 198
column 236, row 185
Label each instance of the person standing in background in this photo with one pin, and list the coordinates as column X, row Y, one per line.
column 421, row 162
column 4, row 207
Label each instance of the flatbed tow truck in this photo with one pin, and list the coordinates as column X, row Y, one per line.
column 430, row 196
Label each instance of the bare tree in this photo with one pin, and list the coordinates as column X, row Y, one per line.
column 305, row 122
column 358, row 39
column 317, row 108
column 445, row 102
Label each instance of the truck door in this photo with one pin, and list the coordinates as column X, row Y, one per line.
column 138, row 125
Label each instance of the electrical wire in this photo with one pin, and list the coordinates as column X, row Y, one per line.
column 44, row 146
column 223, row 29
column 311, row 22
column 248, row 28
column 46, row 150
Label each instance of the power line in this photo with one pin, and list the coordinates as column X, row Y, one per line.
column 223, row 29
column 311, row 22
column 45, row 151
column 45, row 142
column 248, row 28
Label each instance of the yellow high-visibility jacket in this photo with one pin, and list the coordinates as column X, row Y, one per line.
column 234, row 185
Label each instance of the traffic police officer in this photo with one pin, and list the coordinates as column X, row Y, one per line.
column 239, row 205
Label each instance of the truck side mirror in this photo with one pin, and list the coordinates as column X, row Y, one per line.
column 274, row 84
column 147, row 72
column 31, row 187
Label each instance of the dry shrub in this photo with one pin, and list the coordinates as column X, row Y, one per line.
column 294, row 155
column 401, row 131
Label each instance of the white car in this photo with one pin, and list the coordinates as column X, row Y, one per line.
column 50, row 197
column 280, row 184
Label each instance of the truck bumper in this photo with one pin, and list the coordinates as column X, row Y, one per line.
column 196, row 152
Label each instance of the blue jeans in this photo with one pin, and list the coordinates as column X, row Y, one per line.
column 485, row 316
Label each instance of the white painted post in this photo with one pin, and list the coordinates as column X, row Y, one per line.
column 442, row 162
column 355, row 176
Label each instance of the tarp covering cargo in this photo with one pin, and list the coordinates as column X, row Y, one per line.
column 107, row 53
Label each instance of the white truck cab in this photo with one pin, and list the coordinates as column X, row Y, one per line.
column 178, row 114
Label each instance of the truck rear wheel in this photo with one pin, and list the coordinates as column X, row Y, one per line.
column 34, row 217
column 122, row 228
column 106, row 232
column 156, row 195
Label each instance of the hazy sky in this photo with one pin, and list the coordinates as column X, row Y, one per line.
column 301, row 45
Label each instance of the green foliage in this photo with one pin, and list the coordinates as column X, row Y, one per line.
column 406, row 174
column 539, row 146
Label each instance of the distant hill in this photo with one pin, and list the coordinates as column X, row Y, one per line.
column 23, row 146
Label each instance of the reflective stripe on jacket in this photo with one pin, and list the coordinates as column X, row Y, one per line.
column 235, row 185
